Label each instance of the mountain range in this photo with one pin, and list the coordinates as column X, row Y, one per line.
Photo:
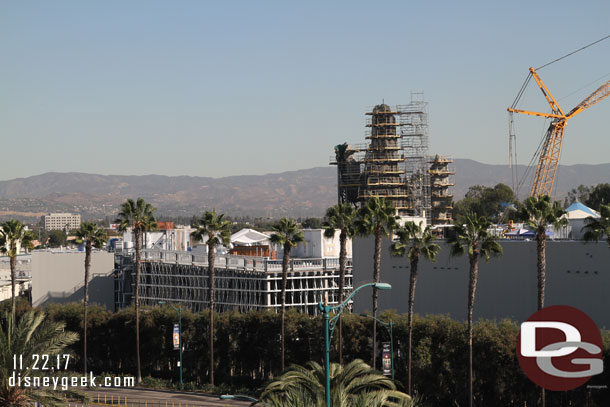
column 298, row 193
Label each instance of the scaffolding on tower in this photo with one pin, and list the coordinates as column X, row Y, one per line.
column 413, row 119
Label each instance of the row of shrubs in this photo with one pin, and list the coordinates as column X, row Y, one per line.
column 248, row 352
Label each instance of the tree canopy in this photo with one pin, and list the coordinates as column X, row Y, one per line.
column 592, row 196
column 486, row 201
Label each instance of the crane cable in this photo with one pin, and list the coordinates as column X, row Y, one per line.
column 573, row 52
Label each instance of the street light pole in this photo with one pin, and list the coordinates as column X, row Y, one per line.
column 179, row 309
column 388, row 326
column 329, row 326
column 180, row 344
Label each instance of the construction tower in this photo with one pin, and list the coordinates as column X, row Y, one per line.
column 441, row 170
column 394, row 164
column 414, row 129
column 384, row 160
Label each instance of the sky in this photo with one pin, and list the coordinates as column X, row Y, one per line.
column 206, row 88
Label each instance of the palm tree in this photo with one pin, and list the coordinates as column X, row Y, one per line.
column 377, row 217
column 288, row 235
column 31, row 335
column 217, row 230
column 470, row 234
column 597, row 228
column 413, row 241
column 13, row 236
column 340, row 217
column 92, row 236
column 139, row 216
column 539, row 212
column 355, row 384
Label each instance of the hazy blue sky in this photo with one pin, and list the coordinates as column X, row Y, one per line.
column 226, row 87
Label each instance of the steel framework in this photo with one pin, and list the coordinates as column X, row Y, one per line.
column 414, row 129
column 242, row 283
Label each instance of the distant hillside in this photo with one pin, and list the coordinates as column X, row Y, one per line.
column 469, row 172
column 295, row 193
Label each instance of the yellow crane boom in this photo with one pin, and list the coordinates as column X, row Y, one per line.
column 548, row 162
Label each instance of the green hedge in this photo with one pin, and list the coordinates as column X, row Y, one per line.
column 248, row 352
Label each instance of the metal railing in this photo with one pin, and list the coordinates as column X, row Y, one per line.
column 230, row 261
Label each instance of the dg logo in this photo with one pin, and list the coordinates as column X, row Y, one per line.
column 559, row 348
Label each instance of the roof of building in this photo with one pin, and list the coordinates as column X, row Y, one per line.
column 579, row 211
column 249, row 237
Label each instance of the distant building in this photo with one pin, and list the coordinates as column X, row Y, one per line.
column 249, row 242
column 577, row 215
column 166, row 237
column 242, row 283
column 316, row 245
column 23, row 286
column 61, row 221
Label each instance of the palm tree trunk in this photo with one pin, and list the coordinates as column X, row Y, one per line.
column 472, row 287
column 412, row 282
column 541, row 251
column 138, row 237
column 211, row 273
column 86, row 301
column 376, row 273
column 13, row 265
column 285, row 263
column 342, row 266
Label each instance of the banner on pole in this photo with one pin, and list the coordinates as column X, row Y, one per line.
column 386, row 359
column 176, row 337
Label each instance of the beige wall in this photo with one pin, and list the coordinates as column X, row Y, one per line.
column 59, row 277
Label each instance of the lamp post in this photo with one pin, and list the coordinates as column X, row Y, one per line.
column 179, row 309
column 388, row 326
column 329, row 326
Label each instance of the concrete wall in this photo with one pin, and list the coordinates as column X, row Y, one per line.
column 59, row 277
column 577, row 274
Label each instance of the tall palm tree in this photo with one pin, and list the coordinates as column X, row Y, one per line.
column 355, row 384
column 288, row 235
column 376, row 217
column 414, row 242
column 92, row 236
column 139, row 216
column 539, row 212
column 470, row 234
column 340, row 217
column 31, row 335
column 217, row 231
column 13, row 236
column 597, row 228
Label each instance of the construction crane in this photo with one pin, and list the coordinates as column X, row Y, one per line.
column 548, row 161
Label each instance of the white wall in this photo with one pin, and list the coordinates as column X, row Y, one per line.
column 172, row 239
column 59, row 277
column 317, row 246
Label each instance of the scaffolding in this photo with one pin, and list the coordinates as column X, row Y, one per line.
column 441, row 170
column 395, row 164
column 384, row 170
column 242, row 283
column 413, row 119
column 376, row 168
